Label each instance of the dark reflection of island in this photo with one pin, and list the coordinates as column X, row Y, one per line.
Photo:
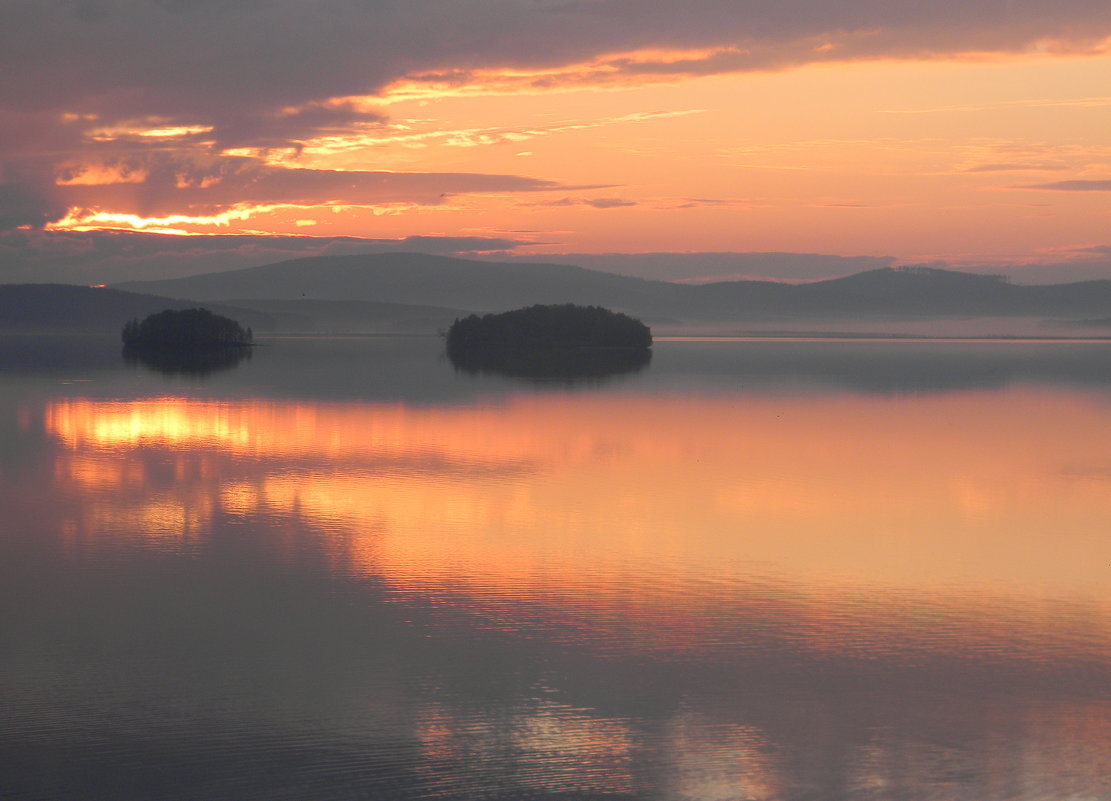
column 556, row 364
column 188, row 363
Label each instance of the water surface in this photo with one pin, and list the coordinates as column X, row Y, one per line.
column 748, row 570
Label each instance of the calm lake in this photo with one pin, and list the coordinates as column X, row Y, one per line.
column 344, row 569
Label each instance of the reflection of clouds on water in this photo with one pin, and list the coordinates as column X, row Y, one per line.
column 552, row 499
column 729, row 596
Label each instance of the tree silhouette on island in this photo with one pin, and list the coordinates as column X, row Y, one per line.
column 550, row 342
column 185, row 330
column 540, row 327
column 186, row 341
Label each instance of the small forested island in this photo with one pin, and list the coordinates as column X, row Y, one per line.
column 540, row 327
column 185, row 330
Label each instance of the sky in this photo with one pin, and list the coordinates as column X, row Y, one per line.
column 151, row 138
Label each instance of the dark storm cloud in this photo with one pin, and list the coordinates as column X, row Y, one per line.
column 23, row 205
column 262, row 73
column 198, row 56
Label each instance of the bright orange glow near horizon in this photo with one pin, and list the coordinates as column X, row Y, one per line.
column 918, row 160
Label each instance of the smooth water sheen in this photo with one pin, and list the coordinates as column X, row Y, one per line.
column 751, row 570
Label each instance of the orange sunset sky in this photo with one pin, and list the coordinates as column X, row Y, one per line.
column 975, row 133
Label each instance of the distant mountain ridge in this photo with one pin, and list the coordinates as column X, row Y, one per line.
column 424, row 280
column 418, row 294
column 65, row 308
column 81, row 309
column 419, row 279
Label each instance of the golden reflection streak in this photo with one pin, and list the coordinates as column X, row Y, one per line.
column 282, row 429
column 822, row 484
column 552, row 500
column 926, row 518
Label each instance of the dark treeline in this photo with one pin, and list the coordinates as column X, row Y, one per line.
column 185, row 329
column 556, row 326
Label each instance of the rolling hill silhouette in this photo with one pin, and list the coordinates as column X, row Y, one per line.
column 461, row 284
column 79, row 309
column 419, row 279
column 62, row 308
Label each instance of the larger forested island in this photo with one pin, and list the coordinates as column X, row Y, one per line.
column 185, row 329
column 542, row 327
